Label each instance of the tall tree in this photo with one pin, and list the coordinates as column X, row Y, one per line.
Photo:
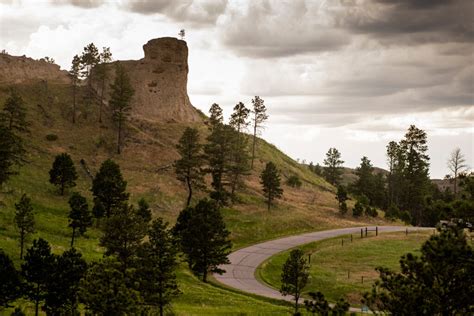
column 24, row 220
column 79, row 217
column 156, row 267
column 37, row 270
column 63, row 285
column 416, row 171
column 295, row 275
column 63, row 173
column 102, row 73
column 333, row 165
column 90, row 58
column 341, row 197
column 239, row 157
column 438, row 282
column 259, row 115
column 270, row 181
column 75, row 75
column 13, row 115
column 9, row 281
column 364, row 185
column 123, row 234
column 120, row 96
column 104, row 290
column 203, row 237
column 109, row 189
column 12, row 153
column 189, row 168
column 457, row 164
column 218, row 153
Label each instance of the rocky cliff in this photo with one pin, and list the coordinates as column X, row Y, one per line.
column 20, row 69
column 160, row 82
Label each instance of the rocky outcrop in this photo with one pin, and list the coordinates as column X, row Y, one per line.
column 21, row 69
column 160, row 82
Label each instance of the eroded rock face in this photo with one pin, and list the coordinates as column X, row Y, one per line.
column 21, row 69
column 160, row 82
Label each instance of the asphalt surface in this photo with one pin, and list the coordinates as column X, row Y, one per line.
column 240, row 273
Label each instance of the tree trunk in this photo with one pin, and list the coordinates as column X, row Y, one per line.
column 254, row 143
column 204, row 277
column 37, row 300
column 119, row 136
column 269, row 202
column 73, row 235
column 190, row 192
column 62, row 188
column 101, row 99
column 74, row 104
column 455, row 183
column 22, row 241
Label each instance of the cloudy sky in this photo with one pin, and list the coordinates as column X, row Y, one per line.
column 350, row 74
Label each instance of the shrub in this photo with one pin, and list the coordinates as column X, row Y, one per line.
column 343, row 208
column 51, row 137
column 358, row 209
column 294, row 182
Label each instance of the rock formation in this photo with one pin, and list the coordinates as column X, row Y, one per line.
column 21, row 69
column 160, row 82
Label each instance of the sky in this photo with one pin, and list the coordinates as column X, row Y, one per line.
column 350, row 74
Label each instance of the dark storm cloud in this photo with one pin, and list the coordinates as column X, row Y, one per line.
column 411, row 22
column 86, row 4
column 190, row 11
column 265, row 29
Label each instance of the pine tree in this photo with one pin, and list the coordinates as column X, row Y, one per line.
column 90, row 58
column 341, row 197
column 294, row 275
column 317, row 304
column 203, row 237
column 270, row 180
column 333, row 164
column 156, row 267
column 104, row 290
column 109, row 189
column 358, row 209
column 239, row 157
column 120, row 96
column 123, row 234
column 144, row 210
column 364, row 185
column 102, row 73
column 79, row 217
column 259, row 116
column 24, row 220
column 13, row 115
column 37, row 270
column 189, row 168
column 10, row 284
column 63, row 173
column 63, row 285
column 75, row 75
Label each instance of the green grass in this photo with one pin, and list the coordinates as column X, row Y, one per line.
column 331, row 262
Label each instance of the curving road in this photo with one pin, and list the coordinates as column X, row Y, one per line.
column 240, row 273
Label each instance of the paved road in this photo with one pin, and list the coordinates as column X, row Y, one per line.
column 240, row 273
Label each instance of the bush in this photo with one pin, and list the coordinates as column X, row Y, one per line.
column 370, row 211
column 392, row 212
column 358, row 209
column 294, row 182
column 343, row 208
column 51, row 137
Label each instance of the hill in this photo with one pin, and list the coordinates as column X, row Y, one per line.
column 146, row 163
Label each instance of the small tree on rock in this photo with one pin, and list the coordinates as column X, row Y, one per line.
column 270, row 180
column 294, row 275
column 63, row 173
column 25, row 220
column 79, row 217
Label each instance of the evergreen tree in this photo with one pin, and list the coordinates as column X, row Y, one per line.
column 216, row 117
column 63, row 173
column 439, row 282
column 189, row 168
column 123, row 234
column 24, row 220
column 358, row 209
column 156, row 267
column 318, row 304
column 104, row 290
column 102, row 73
column 294, row 275
column 239, row 157
column 341, row 197
column 75, row 75
column 120, row 96
column 13, row 115
column 10, row 284
column 203, row 237
column 259, row 116
column 109, row 189
column 333, row 165
column 79, row 217
column 340, row 308
column 37, row 270
column 416, row 171
column 63, row 285
column 270, row 180
column 90, row 58
column 365, row 182
column 144, row 211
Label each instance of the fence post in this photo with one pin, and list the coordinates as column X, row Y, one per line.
column 376, row 230
column 366, row 232
column 351, row 237
column 362, row 279
column 406, row 232
column 309, row 258
column 361, row 233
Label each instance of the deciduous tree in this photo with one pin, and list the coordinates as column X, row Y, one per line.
column 456, row 164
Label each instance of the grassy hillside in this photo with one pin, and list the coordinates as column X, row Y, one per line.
column 145, row 163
